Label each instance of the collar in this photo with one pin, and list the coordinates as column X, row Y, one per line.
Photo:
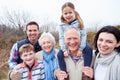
column 36, row 45
column 71, row 21
column 23, row 65
column 28, row 41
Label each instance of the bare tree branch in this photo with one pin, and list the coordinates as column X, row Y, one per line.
column 15, row 18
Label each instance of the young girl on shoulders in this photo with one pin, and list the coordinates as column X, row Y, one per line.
column 71, row 18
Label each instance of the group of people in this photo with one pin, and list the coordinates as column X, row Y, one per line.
column 36, row 58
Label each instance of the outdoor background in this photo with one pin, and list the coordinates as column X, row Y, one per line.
column 14, row 14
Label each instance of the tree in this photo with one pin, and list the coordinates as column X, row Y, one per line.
column 118, row 26
column 49, row 27
column 15, row 18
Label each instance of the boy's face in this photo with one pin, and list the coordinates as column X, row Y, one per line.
column 28, row 58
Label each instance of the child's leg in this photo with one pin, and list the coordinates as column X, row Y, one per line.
column 61, row 61
column 87, row 54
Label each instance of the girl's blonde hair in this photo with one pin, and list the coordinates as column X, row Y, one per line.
column 71, row 5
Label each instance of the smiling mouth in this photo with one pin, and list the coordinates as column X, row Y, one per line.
column 102, row 49
column 29, row 60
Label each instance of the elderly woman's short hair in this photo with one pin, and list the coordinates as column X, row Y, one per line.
column 49, row 35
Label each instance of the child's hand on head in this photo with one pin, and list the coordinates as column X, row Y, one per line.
column 66, row 53
column 79, row 53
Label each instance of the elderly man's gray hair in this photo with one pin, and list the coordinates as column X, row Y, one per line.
column 72, row 27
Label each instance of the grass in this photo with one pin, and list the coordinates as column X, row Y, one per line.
column 4, row 72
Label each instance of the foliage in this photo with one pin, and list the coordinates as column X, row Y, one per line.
column 90, row 38
column 15, row 18
column 7, row 38
column 118, row 26
column 10, row 35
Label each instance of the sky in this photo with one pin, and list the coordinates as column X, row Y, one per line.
column 93, row 12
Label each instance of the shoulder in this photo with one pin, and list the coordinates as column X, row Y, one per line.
column 24, row 41
column 117, row 58
column 14, row 45
column 40, row 62
column 56, row 52
column 39, row 55
column 62, row 25
column 75, row 22
column 116, row 63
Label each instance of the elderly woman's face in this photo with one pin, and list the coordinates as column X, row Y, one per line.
column 106, row 43
column 47, row 44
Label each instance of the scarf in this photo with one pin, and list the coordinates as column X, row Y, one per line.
column 105, row 59
column 50, row 64
column 112, row 60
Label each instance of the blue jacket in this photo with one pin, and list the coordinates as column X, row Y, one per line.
column 14, row 54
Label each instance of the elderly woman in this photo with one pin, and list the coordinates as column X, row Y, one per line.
column 48, row 55
column 107, row 62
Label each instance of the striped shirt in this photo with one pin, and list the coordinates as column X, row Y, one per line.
column 37, row 72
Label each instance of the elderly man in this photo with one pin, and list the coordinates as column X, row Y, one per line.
column 74, row 64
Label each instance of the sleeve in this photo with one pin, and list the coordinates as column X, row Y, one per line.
column 12, row 60
column 42, row 71
column 116, row 67
column 118, row 72
column 61, row 38
column 83, row 39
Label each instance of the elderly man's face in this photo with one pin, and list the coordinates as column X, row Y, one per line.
column 72, row 39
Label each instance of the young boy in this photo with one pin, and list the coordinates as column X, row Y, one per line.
column 30, row 68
